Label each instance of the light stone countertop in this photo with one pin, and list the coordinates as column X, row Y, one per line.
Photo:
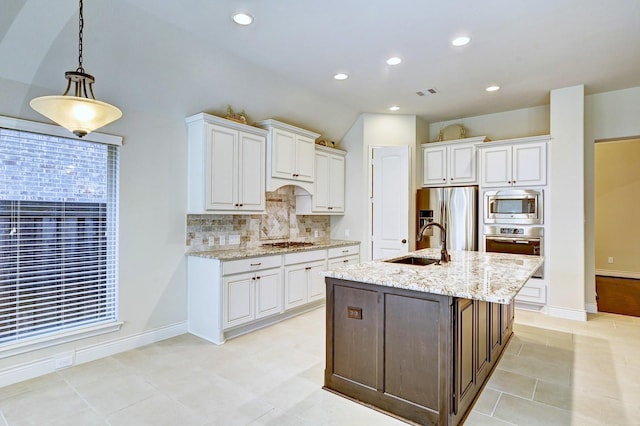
column 247, row 252
column 492, row 277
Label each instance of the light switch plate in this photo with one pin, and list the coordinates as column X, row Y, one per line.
column 234, row 239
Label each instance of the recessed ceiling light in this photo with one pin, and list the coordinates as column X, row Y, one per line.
column 394, row 108
column 341, row 76
column 492, row 88
column 394, row 60
column 242, row 19
column 460, row 41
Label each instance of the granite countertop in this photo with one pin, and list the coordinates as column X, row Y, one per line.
column 246, row 252
column 492, row 277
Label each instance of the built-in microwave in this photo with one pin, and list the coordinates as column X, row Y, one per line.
column 519, row 206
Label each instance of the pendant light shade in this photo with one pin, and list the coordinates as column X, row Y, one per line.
column 80, row 112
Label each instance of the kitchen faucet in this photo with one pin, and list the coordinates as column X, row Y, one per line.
column 444, row 255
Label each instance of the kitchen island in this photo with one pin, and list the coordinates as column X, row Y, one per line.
column 420, row 342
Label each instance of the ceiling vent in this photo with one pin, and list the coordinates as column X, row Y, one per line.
column 424, row 92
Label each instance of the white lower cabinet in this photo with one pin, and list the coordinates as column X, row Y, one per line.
column 229, row 298
column 251, row 296
column 302, row 280
column 534, row 292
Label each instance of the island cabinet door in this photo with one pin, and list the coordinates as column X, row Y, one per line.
column 483, row 342
column 355, row 335
column 464, row 365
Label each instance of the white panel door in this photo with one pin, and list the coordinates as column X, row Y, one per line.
column 390, row 201
column 462, row 164
column 496, row 166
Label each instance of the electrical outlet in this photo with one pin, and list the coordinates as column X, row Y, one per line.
column 222, row 240
column 316, row 234
column 212, row 240
column 63, row 360
column 234, row 239
column 610, row 260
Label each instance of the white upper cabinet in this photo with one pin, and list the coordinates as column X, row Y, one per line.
column 450, row 163
column 328, row 196
column 290, row 155
column 226, row 166
column 516, row 162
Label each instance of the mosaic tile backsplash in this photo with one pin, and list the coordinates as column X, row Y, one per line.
column 279, row 223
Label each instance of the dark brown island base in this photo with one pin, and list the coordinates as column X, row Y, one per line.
column 413, row 354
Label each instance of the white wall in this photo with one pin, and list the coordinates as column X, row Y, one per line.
column 503, row 125
column 178, row 79
column 610, row 115
column 566, row 202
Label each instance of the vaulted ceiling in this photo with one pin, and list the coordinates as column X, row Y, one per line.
column 179, row 55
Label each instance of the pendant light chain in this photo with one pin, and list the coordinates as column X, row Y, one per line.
column 81, row 27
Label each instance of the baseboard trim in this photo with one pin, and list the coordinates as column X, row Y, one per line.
column 40, row 367
column 572, row 314
column 618, row 274
column 591, row 308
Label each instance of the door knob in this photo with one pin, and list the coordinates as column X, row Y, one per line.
column 404, row 241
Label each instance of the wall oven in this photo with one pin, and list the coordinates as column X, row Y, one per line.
column 515, row 240
column 519, row 206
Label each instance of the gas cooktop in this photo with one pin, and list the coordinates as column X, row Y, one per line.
column 287, row 244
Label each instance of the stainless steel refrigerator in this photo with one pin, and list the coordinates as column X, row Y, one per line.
column 456, row 208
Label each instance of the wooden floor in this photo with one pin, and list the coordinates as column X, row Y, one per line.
column 618, row 295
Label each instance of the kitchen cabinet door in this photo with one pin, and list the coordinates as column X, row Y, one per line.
column 462, row 164
column 305, row 158
column 221, row 181
column 239, row 299
column 530, row 164
column 251, row 172
column 514, row 164
column 496, row 166
column 434, row 165
column 316, row 281
column 296, row 286
column 328, row 196
column 283, row 154
column 268, row 290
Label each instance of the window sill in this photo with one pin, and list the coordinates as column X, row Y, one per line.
column 41, row 342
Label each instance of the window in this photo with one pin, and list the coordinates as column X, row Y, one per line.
column 58, row 235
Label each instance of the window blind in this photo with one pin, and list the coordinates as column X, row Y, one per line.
column 58, row 234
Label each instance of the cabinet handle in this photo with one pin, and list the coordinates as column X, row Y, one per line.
column 253, row 278
column 236, row 204
column 256, row 264
column 345, row 251
column 295, row 175
column 308, row 268
column 345, row 261
column 330, row 208
column 257, row 278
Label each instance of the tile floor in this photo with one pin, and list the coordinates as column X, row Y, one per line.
column 555, row 372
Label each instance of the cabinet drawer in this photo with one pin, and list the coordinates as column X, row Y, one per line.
column 341, row 261
column 304, row 256
column 343, row 251
column 250, row 264
column 533, row 292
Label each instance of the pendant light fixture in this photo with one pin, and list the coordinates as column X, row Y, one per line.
column 77, row 112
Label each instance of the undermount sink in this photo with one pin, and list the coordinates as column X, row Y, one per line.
column 411, row 260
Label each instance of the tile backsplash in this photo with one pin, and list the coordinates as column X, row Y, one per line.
column 279, row 223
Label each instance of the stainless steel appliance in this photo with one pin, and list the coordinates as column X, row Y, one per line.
column 520, row 206
column 516, row 240
column 456, row 208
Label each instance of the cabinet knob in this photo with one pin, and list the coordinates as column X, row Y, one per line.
column 444, row 179
column 451, row 178
column 330, row 208
column 308, row 268
column 346, row 261
column 508, row 181
column 404, row 241
column 257, row 278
